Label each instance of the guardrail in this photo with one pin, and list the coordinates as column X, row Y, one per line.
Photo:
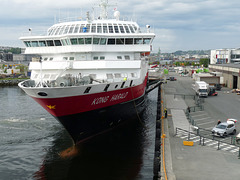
column 207, row 134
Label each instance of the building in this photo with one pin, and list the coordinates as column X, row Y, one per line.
column 230, row 73
column 225, row 56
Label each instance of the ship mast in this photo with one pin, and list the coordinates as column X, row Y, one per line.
column 103, row 5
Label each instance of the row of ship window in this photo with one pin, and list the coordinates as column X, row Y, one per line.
column 88, row 41
column 92, row 28
column 94, row 76
column 126, row 57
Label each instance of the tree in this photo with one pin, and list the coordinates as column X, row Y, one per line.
column 204, row 62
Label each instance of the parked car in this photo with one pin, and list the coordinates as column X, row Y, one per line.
column 223, row 129
column 172, row 78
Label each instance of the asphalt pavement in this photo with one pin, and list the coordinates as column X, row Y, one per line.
column 197, row 162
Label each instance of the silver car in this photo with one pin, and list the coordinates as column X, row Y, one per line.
column 224, row 129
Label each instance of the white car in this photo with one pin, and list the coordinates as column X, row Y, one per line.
column 225, row 128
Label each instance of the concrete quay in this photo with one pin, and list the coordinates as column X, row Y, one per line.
column 195, row 162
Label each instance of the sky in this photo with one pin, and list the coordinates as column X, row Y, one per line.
column 178, row 24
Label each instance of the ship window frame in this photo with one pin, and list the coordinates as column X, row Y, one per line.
column 71, row 58
column 116, row 28
column 35, row 44
column 81, row 28
column 109, row 76
column 93, row 28
column 128, row 41
column 71, row 29
column 110, row 28
column 95, row 57
column 50, row 43
column 61, row 30
column 27, row 43
column 96, row 41
column 57, row 30
column 120, row 41
column 131, row 29
column 122, row 30
column 103, row 41
column 99, row 28
column 88, row 40
column 77, row 28
column 138, row 40
column 66, row 29
column 147, row 40
column 74, row 41
column 126, row 57
column 105, row 28
column 51, row 58
column 102, row 57
column 119, row 57
column 126, row 28
column 117, row 75
column 45, row 59
column 65, row 58
column 57, row 42
column 42, row 43
column 81, row 41
column 111, row 41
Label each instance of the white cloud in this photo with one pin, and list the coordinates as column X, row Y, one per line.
column 179, row 25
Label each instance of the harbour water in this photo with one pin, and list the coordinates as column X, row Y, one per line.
column 33, row 145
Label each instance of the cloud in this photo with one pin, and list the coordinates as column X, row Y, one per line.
column 185, row 24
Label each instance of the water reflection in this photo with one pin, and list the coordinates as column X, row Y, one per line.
column 114, row 155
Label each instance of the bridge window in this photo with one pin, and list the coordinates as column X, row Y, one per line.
column 50, row 43
column 119, row 41
column 88, row 40
column 57, row 43
column 74, row 41
column 119, row 57
column 138, row 41
column 27, row 43
column 102, row 57
column 95, row 58
column 146, row 40
column 71, row 58
column 42, row 43
column 103, row 41
column 61, row 30
column 96, row 40
column 129, row 41
column 34, row 44
column 80, row 40
column 111, row 41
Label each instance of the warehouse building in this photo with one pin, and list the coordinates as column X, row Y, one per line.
column 230, row 73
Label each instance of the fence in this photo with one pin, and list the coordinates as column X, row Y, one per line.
column 207, row 135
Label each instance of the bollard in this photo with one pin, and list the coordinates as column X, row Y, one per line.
column 239, row 153
column 218, row 145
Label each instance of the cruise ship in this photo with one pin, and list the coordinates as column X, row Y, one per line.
column 91, row 75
